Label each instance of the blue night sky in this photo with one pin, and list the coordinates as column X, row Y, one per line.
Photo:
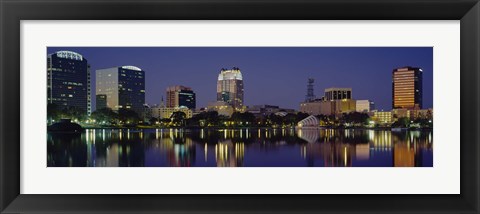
column 272, row 75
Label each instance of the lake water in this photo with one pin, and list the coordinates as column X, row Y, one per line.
column 241, row 148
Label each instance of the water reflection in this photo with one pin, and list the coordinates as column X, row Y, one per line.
column 241, row 148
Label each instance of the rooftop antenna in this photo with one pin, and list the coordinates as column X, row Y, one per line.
column 310, row 96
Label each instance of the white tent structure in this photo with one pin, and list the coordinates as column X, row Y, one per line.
column 310, row 121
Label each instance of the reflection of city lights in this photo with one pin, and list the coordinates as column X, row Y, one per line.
column 340, row 148
column 216, row 153
column 304, row 152
column 93, row 136
column 206, row 152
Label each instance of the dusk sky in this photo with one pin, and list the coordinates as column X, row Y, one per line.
column 271, row 75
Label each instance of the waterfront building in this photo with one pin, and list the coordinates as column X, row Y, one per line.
column 407, row 89
column 223, row 108
column 166, row 112
column 230, row 87
column 364, row 106
column 68, row 81
column 100, row 101
column 382, row 117
column 413, row 113
column 124, row 87
column 343, row 106
column 261, row 111
column 422, row 113
column 328, row 107
column 400, row 113
column 338, row 94
column 180, row 96
column 315, row 108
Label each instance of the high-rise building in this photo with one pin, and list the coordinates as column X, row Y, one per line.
column 68, row 81
column 101, row 101
column 230, row 87
column 124, row 87
column 179, row 95
column 407, row 88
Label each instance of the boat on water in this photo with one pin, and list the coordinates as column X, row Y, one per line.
column 65, row 126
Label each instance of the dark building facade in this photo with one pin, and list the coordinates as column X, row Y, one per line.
column 68, row 81
column 124, row 87
column 187, row 98
column 407, row 88
column 338, row 94
column 101, row 101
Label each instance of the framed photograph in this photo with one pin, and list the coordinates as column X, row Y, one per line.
column 239, row 106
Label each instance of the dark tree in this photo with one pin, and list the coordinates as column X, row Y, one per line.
column 243, row 118
column 128, row 116
column 178, row 118
column 106, row 115
column 153, row 120
column 402, row 122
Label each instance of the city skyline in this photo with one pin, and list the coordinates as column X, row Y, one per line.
column 276, row 76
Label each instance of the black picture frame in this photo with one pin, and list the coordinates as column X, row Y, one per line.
column 13, row 11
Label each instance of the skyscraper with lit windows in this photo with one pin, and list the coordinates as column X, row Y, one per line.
column 407, row 88
column 68, row 81
column 230, row 87
column 123, row 86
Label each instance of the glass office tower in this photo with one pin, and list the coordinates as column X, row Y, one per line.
column 123, row 86
column 68, row 81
